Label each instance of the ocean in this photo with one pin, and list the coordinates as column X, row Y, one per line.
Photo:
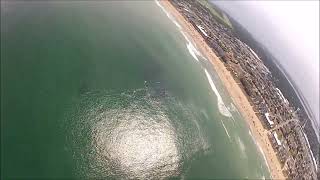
column 114, row 90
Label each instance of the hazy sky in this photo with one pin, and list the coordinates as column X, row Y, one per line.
column 290, row 30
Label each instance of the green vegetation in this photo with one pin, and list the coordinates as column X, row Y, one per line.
column 220, row 16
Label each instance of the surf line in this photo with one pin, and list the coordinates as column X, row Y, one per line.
column 168, row 14
column 260, row 149
column 190, row 46
column 225, row 129
column 221, row 106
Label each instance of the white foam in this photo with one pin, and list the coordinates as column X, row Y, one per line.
column 204, row 58
column 191, row 48
column 185, row 36
column 252, row 137
column 225, row 129
column 260, row 149
column 232, row 108
column 221, row 106
column 264, row 156
column 203, row 111
column 168, row 14
column 192, row 51
column 242, row 147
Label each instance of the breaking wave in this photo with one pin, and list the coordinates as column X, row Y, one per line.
column 191, row 48
column 192, row 51
column 168, row 14
column 242, row 147
column 225, row 129
column 221, row 106
column 260, row 149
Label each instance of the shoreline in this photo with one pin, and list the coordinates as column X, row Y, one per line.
column 259, row 133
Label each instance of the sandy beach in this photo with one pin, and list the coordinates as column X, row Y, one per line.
column 236, row 93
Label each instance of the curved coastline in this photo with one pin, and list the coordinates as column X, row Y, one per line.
column 241, row 101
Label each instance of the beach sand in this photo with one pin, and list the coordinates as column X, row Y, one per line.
column 236, row 93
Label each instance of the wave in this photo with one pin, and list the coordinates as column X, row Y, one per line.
column 195, row 53
column 232, row 108
column 191, row 48
column 264, row 156
column 242, row 147
column 221, row 106
column 225, row 129
column 185, row 36
column 260, row 149
column 192, row 51
column 168, row 14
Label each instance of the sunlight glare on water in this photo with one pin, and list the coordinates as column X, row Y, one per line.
column 136, row 143
column 133, row 137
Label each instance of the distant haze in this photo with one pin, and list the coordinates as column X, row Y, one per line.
column 290, row 31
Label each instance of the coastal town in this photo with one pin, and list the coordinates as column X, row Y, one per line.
column 277, row 115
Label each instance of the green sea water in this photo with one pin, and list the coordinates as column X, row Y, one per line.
column 110, row 90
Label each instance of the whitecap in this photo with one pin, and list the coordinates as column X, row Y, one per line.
column 225, row 129
column 264, row 156
column 192, row 51
column 221, row 106
column 260, row 149
column 242, row 147
column 168, row 14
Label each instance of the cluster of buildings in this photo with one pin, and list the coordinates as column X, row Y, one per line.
column 273, row 109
